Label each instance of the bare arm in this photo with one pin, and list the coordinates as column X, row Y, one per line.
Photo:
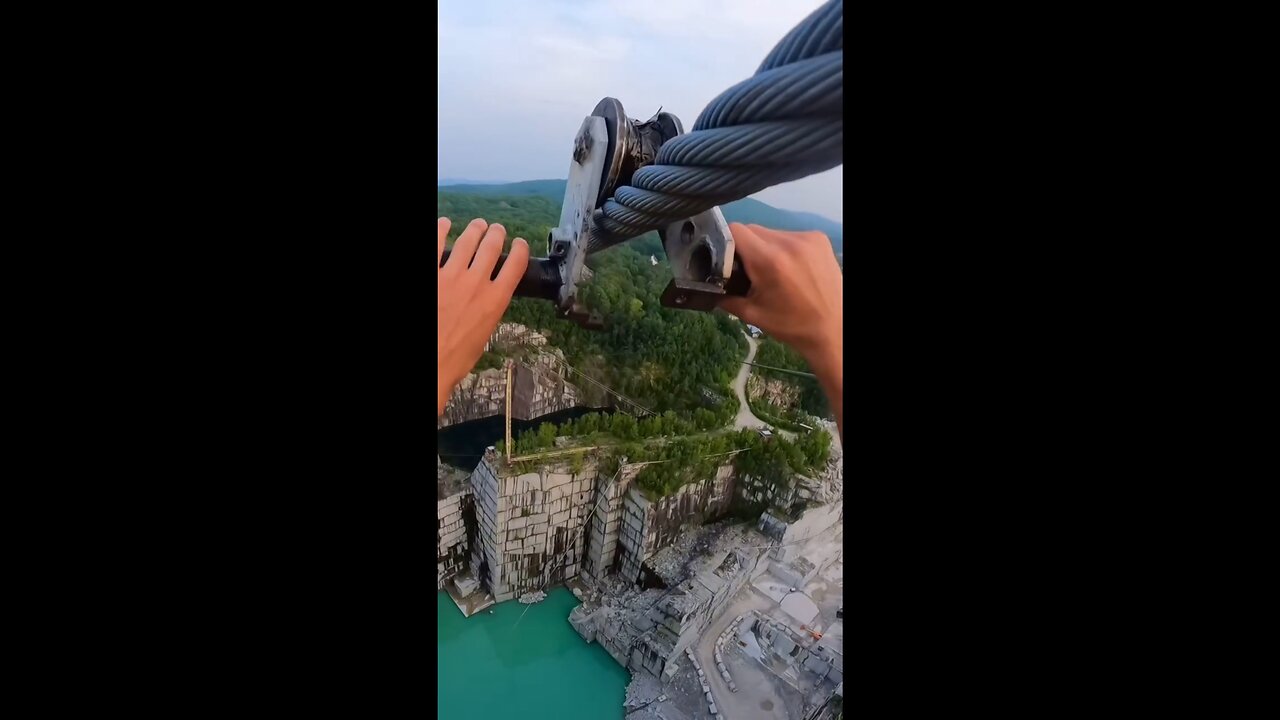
column 469, row 304
column 797, row 296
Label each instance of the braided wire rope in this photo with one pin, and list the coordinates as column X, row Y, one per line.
column 783, row 123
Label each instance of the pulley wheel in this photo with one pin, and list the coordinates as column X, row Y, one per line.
column 619, row 130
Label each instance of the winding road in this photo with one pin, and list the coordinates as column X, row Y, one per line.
column 746, row 418
column 753, row 685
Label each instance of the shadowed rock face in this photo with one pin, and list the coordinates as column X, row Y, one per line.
column 538, row 383
column 779, row 392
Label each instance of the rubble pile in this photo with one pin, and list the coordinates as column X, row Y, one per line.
column 450, row 480
column 671, row 563
column 642, row 690
column 648, row 630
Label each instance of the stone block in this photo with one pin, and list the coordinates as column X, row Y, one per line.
column 554, row 480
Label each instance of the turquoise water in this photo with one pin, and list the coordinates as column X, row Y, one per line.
column 535, row 668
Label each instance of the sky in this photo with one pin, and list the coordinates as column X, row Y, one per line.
column 517, row 78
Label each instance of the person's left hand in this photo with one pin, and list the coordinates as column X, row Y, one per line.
column 469, row 304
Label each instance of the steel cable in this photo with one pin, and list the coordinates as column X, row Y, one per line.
column 783, row 123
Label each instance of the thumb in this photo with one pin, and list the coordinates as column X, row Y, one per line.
column 738, row 306
column 442, row 233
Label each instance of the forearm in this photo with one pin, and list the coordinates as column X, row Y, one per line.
column 828, row 366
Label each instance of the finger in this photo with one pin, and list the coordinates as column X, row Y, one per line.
column 755, row 251
column 734, row 305
column 489, row 250
column 513, row 269
column 465, row 248
column 442, row 229
column 740, row 307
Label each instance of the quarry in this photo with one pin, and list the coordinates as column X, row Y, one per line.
column 722, row 597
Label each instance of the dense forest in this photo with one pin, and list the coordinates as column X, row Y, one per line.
column 529, row 217
column 746, row 210
column 774, row 460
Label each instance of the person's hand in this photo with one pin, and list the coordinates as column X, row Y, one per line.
column 797, row 291
column 797, row 296
column 470, row 304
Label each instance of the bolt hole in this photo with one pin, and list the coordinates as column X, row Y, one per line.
column 700, row 262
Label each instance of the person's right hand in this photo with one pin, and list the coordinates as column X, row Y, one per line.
column 797, row 296
column 797, row 291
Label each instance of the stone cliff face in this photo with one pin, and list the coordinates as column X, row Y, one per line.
column 530, row 526
column 451, row 535
column 779, row 392
column 520, row 532
column 648, row 526
column 648, row 629
column 538, row 387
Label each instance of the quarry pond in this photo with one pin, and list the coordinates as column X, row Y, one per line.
column 534, row 667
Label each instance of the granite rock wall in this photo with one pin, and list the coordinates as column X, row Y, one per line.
column 539, row 384
column 451, row 535
column 530, row 527
column 648, row 526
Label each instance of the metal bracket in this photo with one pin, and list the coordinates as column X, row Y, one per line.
column 607, row 150
column 569, row 240
column 700, row 250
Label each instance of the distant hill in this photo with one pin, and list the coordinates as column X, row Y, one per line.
column 445, row 182
column 752, row 211
column 747, row 210
column 553, row 189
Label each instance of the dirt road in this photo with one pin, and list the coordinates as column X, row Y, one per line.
column 756, row 697
column 746, row 419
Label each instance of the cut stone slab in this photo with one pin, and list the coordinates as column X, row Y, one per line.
column 466, row 584
column 799, row 607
